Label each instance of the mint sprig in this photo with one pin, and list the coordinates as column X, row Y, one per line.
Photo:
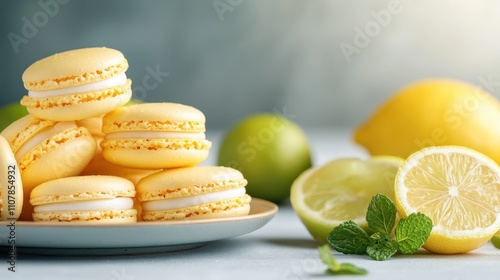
column 411, row 232
column 335, row 267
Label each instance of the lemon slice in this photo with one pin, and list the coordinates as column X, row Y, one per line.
column 459, row 189
column 324, row 197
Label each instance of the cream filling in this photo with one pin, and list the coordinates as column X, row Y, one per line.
column 119, row 203
column 120, row 79
column 42, row 136
column 155, row 135
column 182, row 202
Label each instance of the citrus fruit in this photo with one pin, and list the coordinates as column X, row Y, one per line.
column 496, row 239
column 459, row 189
column 435, row 112
column 10, row 113
column 134, row 101
column 270, row 151
column 323, row 197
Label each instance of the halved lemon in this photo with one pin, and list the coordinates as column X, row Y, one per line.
column 459, row 189
column 323, row 197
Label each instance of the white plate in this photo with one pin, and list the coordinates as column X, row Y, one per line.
column 141, row 237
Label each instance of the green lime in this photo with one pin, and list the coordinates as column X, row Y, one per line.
column 496, row 239
column 10, row 113
column 270, row 151
column 134, row 101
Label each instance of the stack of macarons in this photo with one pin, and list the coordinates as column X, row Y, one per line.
column 84, row 155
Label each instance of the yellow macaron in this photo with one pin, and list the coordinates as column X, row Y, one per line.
column 77, row 84
column 11, row 186
column 199, row 192
column 46, row 150
column 93, row 124
column 155, row 136
column 99, row 166
column 89, row 199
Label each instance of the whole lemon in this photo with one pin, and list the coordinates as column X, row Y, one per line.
column 270, row 151
column 430, row 113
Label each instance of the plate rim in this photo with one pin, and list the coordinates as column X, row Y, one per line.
column 271, row 210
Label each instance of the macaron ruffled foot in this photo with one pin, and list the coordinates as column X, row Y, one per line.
column 89, row 199
column 200, row 192
column 155, row 136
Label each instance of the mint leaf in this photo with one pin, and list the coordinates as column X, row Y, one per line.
column 349, row 268
column 327, row 258
column 381, row 214
column 337, row 268
column 382, row 246
column 412, row 232
column 349, row 238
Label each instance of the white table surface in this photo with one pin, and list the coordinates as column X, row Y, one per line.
column 282, row 249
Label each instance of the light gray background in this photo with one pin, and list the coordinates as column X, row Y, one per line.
column 261, row 55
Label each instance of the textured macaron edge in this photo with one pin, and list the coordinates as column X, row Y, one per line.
column 187, row 181
column 127, row 215
column 77, row 98
column 170, row 126
column 155, row 144
column 173, row 117
column 52, row 144
column 198, row 211
column 191, row 190
column 74, row 67
column 81, row 188
column 24, row 129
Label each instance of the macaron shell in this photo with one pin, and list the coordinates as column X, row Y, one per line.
column 181, row 182
column 78, row 106
column 11, row 187
column 78, row 188
column 20, row 131
column 74, row 67
column 99, row 166
column 155, row 153
column 98, row 217
column 94, row 126
column 68, row 159
column 155, row 117
column 221, row 209
column 64, row 154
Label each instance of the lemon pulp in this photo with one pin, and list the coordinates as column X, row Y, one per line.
column 459, row 189
column 325, row 196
